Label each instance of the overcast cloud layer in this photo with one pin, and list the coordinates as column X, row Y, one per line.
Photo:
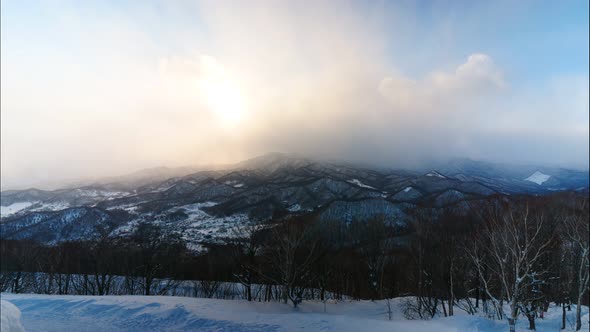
column 107, row 88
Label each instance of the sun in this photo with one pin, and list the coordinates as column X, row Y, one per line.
column 223, row 96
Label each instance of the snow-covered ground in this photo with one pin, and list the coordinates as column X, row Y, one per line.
column 54, row 206
column 13, row 208
column 9, row 317
column 158, row 313
column 198, row 227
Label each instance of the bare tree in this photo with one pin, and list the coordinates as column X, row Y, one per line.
column 373, row 242
column 426, row 303
column 247, row 245
column 155, row 250
column 510, row 247
column 294, row 252
column 102, row 259
column 576, row 230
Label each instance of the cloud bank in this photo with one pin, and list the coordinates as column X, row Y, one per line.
column 100, row 89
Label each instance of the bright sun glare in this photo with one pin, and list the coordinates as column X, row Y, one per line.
column 224, row 97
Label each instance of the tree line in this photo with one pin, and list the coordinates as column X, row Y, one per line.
column 505, row 257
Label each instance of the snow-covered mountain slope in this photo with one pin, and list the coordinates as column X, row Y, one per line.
column 13, row 208
column 203, row 205
column 435, row 174
column 538, row 178
column 513, row 178
column 408, row 194
column 80, row 223
column 160, row 313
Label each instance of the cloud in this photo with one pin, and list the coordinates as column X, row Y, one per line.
column 106, row 89
column 479, row 69
column 477, row 77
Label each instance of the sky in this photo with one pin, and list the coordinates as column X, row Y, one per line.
column 91, row 89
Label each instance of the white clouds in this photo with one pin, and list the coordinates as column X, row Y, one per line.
column 479, row 69
column 403, row 92
column 477, row 77
column 127, row 88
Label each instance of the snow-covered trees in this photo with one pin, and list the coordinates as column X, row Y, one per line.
column 512, row 254
column 508, row 254
column 576, row 231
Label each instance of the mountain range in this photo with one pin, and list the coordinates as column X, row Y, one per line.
column 205, row 205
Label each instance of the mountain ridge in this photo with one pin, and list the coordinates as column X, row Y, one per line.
column 204, row 205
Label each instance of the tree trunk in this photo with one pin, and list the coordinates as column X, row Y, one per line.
column 451, row 311
column 563, row 316
column 285, row 293
column 434, row 308
column 147, row 285
column 452, row 292
column 85, row 284
column 531, row 318
column 512, row 324
column 67, row 284
column 16, row 285
column 578, row 314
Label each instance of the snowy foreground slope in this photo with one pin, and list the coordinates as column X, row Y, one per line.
column 158, row 313
column 10, row 317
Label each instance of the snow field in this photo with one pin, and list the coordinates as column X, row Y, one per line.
column 160, row 313
column 9, row 317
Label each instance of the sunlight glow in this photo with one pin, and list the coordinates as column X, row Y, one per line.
column 223, row 96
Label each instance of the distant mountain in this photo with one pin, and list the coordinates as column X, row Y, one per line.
column 516, row 178
column 144, row 177
column 204, row 205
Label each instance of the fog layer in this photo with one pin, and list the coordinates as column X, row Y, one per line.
column 104, row 89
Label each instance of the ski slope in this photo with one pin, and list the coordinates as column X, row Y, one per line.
column 160, row 313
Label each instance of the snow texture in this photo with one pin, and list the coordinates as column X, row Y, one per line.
column 55, row 206
column 9, row 317
column 160, row 313
column 358, row 182
column 13, row 208
column 435, row 174
column 538, row 178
